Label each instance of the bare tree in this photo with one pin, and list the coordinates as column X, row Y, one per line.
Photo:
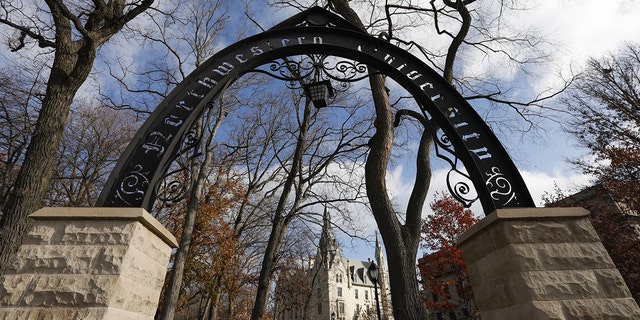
column 93, row 139
column 199, row 170
column 73, row 34
column 184, row 35
column 605, row 105
column 19, row 97
column 402, row 234
column 286, row 151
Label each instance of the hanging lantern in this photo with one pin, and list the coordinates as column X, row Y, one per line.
column 319, row 93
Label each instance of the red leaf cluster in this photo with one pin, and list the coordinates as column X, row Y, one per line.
column 444, row 273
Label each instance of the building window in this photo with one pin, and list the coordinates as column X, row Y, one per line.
column 339, row 277
column 341, row 308
column 356, row 293
column 320, row 308
column 366, row 294
column 339, row 291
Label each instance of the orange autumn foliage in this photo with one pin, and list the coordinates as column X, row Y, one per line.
column 212, row 258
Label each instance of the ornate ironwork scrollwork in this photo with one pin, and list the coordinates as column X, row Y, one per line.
column 133, row 186
column 459, row 182
column 500, row 188
column 173, row 186
column 314, row 68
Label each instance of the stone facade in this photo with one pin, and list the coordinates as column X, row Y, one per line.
column 340, row 288
column 88, row 263
column 543, row 263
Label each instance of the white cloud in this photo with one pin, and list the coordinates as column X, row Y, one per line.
column 581, row 29
column 540, row 182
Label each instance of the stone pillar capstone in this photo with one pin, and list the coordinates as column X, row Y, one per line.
column 88, row 263
column 543, row 263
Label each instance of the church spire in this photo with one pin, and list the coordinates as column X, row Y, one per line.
column 382, row 279
column 379, row 255
column 328, row 248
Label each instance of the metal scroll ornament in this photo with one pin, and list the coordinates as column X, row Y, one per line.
column 459, row 183
column 501, row 189
column 314, row 67
column 174, row 185
column 133, row 186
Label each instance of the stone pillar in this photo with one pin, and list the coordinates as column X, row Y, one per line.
column 543, row 263
column 88, row 263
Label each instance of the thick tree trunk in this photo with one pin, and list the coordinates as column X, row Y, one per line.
column 70, row 69
column 75, row 51
column 401, row 241
column 403, row 280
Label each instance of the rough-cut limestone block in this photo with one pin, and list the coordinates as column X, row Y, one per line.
column 531, row 257
column 80, row 232
column 560, row 285
column 81, row 263
column 605, row 309
column 520, row 288
column 143, row 269
column 62, row 290
column 610, row 309
column 134, row 297
column 502, row 234
column 86, row 232
column 611, row 283
column 553, row 231
column 539, row 264
column 533, row 310
column 151, row 249
column 59, row 259
column 70, row 313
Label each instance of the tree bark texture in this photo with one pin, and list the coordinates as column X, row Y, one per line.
column 72, row 63
column 401, row 241
column 269, row 262
column 71, row 66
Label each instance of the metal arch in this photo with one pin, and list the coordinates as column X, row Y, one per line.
column 148, row 156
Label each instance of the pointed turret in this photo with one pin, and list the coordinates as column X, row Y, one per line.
column 328, row 247
column 383, row 279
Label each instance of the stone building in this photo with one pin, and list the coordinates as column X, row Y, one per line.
column 338, row 288
column 597, row 199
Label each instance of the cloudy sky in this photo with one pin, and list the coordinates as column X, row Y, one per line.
column 579, row 29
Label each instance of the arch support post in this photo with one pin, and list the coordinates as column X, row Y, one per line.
column 88, row 263
column 543, row 263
